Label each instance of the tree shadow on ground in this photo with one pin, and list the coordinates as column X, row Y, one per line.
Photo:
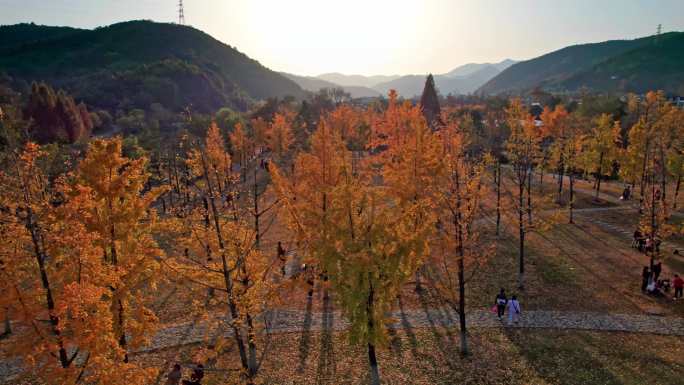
column 562, row 362
column 325, row 374
column 305, row 340
column 408, row 329
column 447, row 344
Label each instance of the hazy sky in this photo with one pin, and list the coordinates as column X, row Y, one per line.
column 310, row 37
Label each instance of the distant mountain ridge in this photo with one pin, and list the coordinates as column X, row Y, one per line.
column 313, row 84
column 464, row 79
column 613, row 66
column 137, row 63
column 356, row 80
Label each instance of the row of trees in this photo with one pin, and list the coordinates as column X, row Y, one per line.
column 370, row 196
column 644, row 149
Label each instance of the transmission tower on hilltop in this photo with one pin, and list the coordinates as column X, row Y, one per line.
column 181, row 15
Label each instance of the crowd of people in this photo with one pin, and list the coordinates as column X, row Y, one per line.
column 645, row 244
column 651, row 283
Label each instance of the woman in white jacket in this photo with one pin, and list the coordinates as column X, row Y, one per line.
column 513, row 310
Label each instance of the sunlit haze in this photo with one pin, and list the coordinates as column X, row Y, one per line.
column 311, row 37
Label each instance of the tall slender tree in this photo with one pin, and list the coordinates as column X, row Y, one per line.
column 520, row 151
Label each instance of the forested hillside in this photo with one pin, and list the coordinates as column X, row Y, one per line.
column 560, row 70
column 137, row 63
column 658, row 65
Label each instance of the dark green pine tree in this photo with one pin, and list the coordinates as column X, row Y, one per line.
column 429, row 104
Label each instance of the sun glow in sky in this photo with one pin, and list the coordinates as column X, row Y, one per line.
column 310, row 37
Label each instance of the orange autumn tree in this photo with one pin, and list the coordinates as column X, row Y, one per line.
column 602, row 148
column 652, row 138
column 241, row 148
column 352, row 125
column 59, row 286
column 520, row 152
column 367, row 239
column 279, row 135
column 410, row 160
column 122, row 217
column 217, row 250
column 556, row 125
column 459, row 244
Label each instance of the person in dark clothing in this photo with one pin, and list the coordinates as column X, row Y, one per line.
column 174, row 376
column 645, row 275
column 501, row 302
column 637, row 239
column 657, row 268
column 281, row 257
column 196, row 377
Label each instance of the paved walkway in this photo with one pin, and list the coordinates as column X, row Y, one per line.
column 296, row 321
column 281, row 321
column 620, row 230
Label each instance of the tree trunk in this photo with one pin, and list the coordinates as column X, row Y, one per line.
column 228, row 281
column 40, row 258
column 257, row 232
column 676, row 194
column 498, row 197
column 598, row 178
column 642, row 183
column 372, row 359
column 663, row 177
column 461, row 267
column 521, row 229
column 572, row 195
column 653, row 220
column 8, row 325
column 461, row 305
column 529, row 196
column 122, row 330
column 561, row 170
column 252, row 360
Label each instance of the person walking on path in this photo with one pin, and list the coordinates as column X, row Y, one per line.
column 174, row 376
column 645, row 276
column 513, row 310
column 500, row 302
column 678, row 284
